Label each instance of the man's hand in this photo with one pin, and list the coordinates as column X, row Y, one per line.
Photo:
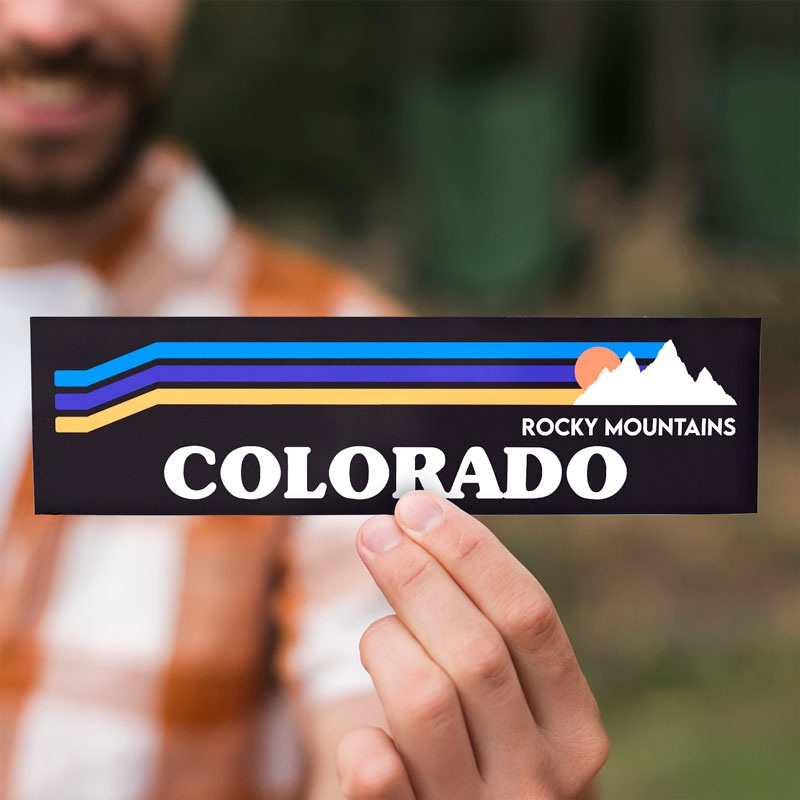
column 482, row 691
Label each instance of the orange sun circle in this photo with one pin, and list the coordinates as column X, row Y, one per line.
column 591, row 363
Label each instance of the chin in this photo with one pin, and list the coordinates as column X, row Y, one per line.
column 47, row 176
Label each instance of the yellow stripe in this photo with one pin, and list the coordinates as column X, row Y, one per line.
column 316, row 397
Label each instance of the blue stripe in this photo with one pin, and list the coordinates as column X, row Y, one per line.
column 343, row 350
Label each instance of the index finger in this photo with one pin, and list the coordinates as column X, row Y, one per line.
column 509, row 595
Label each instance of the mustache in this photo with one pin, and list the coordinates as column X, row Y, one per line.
column 84, row 59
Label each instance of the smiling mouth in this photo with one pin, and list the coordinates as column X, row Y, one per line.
column 45, row 103
column 46, row 91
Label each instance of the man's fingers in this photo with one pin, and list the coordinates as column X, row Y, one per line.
column 370, row 768
column 506, row 592
column 423, row 711
column 457, row 636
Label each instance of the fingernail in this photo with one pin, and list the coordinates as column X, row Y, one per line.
column 380, row 534
column 418, row 512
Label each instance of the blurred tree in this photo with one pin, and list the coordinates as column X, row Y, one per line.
column 458, row 126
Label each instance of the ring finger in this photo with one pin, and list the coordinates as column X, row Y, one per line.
column 423, row 711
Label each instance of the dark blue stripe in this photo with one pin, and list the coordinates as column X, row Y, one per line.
column 313, row 373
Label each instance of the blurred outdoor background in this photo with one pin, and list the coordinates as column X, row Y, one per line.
column 594, row 158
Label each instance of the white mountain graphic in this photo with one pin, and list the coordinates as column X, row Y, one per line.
column 665, row 382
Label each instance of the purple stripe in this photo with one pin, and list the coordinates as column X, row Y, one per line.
column 316, row 373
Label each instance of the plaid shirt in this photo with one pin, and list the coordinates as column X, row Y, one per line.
column 164, row 657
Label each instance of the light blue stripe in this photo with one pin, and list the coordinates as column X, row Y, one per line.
column 343, row 350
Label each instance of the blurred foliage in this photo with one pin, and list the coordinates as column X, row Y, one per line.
column 493, row 160
column 279, row 99
column 460, row 129
column 577, row 159
column 757, row 119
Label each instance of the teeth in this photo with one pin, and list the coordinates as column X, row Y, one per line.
column 47, row 91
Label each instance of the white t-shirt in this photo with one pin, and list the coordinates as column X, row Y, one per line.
column 68, row 289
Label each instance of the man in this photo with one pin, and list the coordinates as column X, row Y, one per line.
column 218, row 657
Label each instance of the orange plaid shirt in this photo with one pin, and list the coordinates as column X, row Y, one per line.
column 164, row 657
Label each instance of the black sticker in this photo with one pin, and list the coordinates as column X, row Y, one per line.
column 344, row 415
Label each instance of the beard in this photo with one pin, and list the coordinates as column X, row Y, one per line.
column 54, row 194
column 60, row 173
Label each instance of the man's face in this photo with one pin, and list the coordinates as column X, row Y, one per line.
column 80, row 81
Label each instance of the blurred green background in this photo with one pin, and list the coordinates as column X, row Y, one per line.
column 579, row 159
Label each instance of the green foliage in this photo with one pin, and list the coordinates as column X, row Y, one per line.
column 755, row 110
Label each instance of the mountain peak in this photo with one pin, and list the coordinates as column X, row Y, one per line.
column 668, row 351
column 665, row 381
